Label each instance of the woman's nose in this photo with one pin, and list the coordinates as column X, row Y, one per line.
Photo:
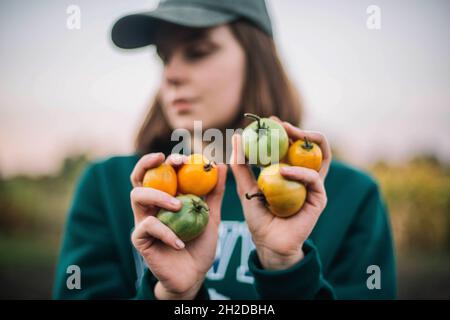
column 175, row 72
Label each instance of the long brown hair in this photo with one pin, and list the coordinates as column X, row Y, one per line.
column 267, row 91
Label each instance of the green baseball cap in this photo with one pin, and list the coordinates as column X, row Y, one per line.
column 140, row 29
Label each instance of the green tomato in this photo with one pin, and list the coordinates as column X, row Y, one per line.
column 264, row 141
column 190, row 221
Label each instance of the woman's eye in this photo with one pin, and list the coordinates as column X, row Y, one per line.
column 196, row 54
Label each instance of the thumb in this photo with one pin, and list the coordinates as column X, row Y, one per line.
column 245, row 179
column 214, row 199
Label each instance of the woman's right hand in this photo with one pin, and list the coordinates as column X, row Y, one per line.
column 179, row 267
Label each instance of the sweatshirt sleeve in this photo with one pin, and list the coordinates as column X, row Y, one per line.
column 364, row 267
column 88, row 246
column 368, row 243
column 304, row 280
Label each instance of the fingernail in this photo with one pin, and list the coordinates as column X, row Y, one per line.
column 175, row 201
column 179, row 244
column 286, row 170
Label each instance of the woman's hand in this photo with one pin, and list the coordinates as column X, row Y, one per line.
column 279, row 241
column 179, row 267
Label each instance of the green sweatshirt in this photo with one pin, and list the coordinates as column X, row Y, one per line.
column 349, row 254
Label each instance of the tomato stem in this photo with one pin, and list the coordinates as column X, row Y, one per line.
column 208, row 166
column 258, row 194
column 198, row 207
column 254, row 116
column 307, row 145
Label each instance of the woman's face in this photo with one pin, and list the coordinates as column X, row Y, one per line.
column 203, row 78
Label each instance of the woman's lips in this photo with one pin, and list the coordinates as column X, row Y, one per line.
column 183, row 104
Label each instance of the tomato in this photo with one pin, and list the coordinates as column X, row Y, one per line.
column 283, row 197
column 163, row 178
column 264, row 141
column 190, row 221
column 197, row 176
column 305, row 154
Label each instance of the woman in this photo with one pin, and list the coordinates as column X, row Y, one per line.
column 220, row 62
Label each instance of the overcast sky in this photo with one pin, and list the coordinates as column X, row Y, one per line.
column 374, row 93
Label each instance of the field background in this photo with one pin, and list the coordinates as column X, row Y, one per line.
column 417, row 193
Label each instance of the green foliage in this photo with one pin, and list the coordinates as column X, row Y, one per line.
column 38, row 204
column 418, row 197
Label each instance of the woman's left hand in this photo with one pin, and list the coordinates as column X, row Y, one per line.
column 279, row 241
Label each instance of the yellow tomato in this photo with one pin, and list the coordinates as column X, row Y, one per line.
column 303, row 153
column 283, row 197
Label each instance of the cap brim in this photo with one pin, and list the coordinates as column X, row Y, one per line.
column 139, row 30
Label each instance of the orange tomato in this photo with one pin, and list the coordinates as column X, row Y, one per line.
column 303, row 153
column 163, row 178
column 197, row 176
